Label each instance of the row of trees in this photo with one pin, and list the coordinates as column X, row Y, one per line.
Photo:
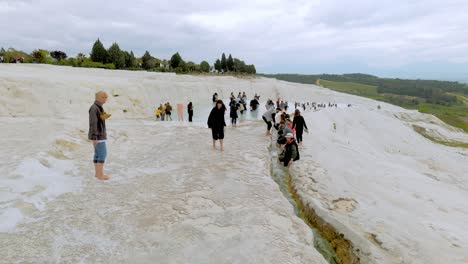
column 123, row 59
column 233, row 65
column 117, row 58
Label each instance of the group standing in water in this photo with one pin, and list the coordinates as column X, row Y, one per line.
column 164, row 112
column 275, row 116
column 289, row 132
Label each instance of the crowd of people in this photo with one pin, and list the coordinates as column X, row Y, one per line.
column 289, row 127
column 164, row 112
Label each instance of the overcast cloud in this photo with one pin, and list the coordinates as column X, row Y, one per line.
column 418, row 38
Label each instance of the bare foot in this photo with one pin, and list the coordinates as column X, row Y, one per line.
column 103, row 177
column 214, row 148
column 222, row 149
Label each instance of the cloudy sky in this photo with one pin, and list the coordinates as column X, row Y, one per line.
column 403, row 38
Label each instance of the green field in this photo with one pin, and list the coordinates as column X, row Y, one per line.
column 455, row 115
column 351, row 88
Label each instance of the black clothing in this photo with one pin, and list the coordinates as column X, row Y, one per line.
column 190, row 111
column 291, row 150
column 216, row 122
column 299, row 123
column 269, row 125
column 217, row 133
column 281, row 140
column 254, row 104
column 233, row 107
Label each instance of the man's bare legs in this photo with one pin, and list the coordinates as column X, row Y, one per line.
column 214, row 144
column 99, row 167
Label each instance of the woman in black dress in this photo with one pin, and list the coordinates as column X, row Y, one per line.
column 216, row 123
column 299, row 124
column 190, row 111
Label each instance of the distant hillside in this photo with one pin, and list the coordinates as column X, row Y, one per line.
column 444, row 99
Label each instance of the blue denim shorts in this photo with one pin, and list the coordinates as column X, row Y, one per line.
column 100, row 152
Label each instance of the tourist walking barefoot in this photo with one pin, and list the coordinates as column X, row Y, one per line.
column 216, row 123
column 233, row 112
column 97, row 133
column 168, row 111
column 180, row 112
column 268, row 118
column 299, row 124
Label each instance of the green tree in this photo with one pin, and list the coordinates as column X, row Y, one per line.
column 176, row 60
column 130, row 61
column 147, row 61
column 99, row 53
column 218, row 66
column 116, row 56
column 251, row 69
column 40, row 55
column 72, row 62
column 204, row 66
column 183, row 66
column 80, row 57
column 223, row 63
column 2, row 51
column 190, row 66
column 58, row 55
column 165, row 64
column 239, row 66
column 230, row 63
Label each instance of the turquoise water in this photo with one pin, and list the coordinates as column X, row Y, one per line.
column 201, row 111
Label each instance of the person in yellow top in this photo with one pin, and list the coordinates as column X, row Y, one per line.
column 158, row 114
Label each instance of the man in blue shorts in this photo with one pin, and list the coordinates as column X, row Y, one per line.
column 97, row 133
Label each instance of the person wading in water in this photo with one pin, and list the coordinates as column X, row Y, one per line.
column 190, row 111
column 216, row 123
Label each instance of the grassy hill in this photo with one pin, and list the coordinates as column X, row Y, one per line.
column 455, row 115
column 351, row 88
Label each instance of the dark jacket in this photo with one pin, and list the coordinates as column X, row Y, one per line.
column 291, row 152
column 97, row 125
column 216, row 118
column 254, row 104
column 190, row 108
column 299, row 123
column 233, row 106
column 168, row 109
